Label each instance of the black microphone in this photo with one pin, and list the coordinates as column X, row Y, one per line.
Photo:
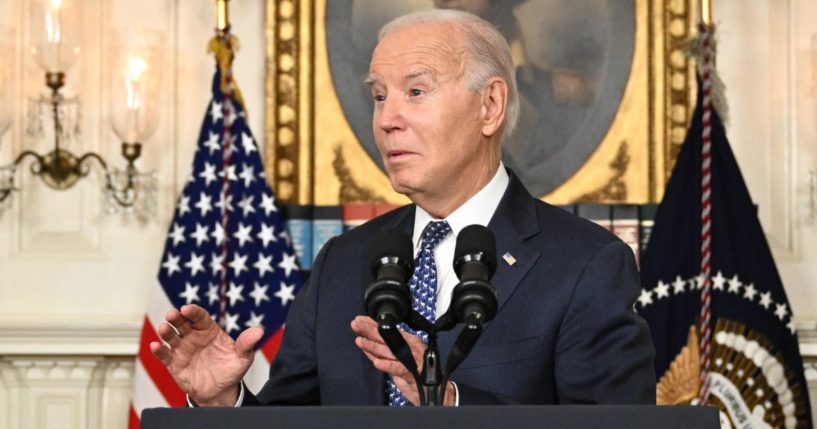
column 474, row 300
column 388, row 298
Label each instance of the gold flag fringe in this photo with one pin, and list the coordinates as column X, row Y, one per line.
column 694, row 49
column 224, row 49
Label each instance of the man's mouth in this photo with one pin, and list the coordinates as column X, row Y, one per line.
column 397, row 154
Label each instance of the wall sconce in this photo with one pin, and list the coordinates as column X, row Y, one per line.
column 134, row 78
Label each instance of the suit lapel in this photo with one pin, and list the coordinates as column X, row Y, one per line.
column 514, row 221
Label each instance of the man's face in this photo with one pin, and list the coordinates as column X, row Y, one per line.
column 426, row 121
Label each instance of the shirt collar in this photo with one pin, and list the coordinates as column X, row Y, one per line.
column 477, row 210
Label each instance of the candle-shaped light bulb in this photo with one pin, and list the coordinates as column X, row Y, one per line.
column 136, row 67
column 53, row 30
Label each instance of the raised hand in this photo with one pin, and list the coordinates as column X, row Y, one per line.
column 203, row 360
column 371, row 343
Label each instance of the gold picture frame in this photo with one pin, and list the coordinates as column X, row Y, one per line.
column 314, row 158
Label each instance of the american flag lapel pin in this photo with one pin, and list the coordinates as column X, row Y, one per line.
column 509, row 258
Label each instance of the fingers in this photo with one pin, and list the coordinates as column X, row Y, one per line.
column 161, row 351
column 168, row 335
column 245, row 343
column 388, row 366
column 180, row 323
column 198, row 318
column 379, row 350
column 366, row 328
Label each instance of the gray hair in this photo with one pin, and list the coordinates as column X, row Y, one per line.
column 490, row 55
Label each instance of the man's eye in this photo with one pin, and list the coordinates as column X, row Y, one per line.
column 414, row 92
column 379, row 98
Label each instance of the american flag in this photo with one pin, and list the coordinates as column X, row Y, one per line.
column 226, row 251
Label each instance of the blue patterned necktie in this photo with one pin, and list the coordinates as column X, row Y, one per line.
column 423, row 285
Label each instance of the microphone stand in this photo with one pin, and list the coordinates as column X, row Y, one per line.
column 431, row 382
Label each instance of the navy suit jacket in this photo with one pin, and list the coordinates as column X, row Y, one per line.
column 565, row 332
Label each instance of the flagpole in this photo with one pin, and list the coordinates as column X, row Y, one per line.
column 224, row 38
column 222, row 15
column 707, row 52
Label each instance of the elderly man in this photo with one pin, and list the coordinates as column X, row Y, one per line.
column 444, row 92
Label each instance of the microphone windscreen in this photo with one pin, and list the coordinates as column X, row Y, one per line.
column 476, row 239
column 391, row 243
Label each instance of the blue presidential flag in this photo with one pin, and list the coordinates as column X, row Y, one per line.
column 756, row 376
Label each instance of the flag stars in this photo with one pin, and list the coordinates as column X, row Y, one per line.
column 212, row 142
column 646, row 298
column 190, row 294
column 205, row 204
column 283, row 236
column 243, row 234
column 263, row 265
column 195, row 264
column 766, row 299
column 268, row 204
column 238, row 264
column 780, row 311
column 267, row 234
column 662, row 290
column 247, row 175
column 791, row 327
column 209, row 173
column 718, row 281
column 288, row 264
column 218, row 234
column 225, row 202
column 749, row 292
column 171, row 264
column 696, row 282
column 200, row 235
column 285, row 293
column 248, row 143
column 234, row 293
column 231, row 322
column 216, row 263
column 735, row 284
column 678, row 285
column 212, row 294
column 230, row 113
column 177, row 235
column 183, row 205
column 230, row 173
column 215, row 111
column 259, row 294
column 246, row 205
column 255, row 320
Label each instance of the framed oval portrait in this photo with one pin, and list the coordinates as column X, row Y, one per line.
column 572, row 57
column 604, row 97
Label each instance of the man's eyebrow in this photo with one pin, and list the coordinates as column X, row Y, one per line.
column 372, row 80
column 419, row 73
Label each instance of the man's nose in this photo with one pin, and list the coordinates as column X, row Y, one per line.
column 390, row 117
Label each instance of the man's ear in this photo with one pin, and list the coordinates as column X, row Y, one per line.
column 494, row 105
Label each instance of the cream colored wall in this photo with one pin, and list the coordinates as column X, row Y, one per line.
column 74, row 282
column 768, row 59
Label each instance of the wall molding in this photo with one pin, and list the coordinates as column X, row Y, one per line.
column 69, row 339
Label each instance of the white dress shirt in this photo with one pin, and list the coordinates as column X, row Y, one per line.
column 478, row 210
